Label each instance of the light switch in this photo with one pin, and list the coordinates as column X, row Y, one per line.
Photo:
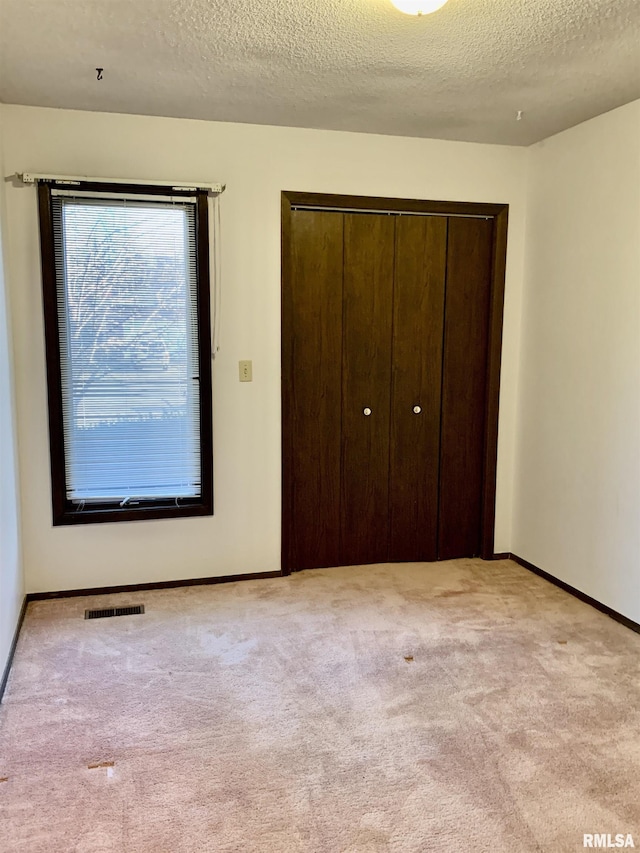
column 246, row 371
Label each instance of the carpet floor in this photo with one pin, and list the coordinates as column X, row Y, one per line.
column 451, row 707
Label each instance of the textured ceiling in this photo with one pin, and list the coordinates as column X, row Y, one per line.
column 461, row 73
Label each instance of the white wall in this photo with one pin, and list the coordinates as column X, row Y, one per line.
column 577, row 495
column 11, row 586
column 256, row 163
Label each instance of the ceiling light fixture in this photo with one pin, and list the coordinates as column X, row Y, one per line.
column 418, row 7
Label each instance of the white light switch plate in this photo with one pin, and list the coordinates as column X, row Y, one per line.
column 246, row 371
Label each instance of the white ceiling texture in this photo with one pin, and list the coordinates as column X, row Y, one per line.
column 461, row 73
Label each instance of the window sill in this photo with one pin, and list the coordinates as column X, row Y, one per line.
column 101, row 515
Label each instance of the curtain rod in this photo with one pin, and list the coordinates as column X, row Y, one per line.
column 75, row 180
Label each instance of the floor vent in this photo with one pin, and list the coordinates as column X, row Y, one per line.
column 105, row 612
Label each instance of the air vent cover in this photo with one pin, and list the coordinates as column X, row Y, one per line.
column 105, row 612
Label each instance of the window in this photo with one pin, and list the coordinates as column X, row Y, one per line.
column 126, row 302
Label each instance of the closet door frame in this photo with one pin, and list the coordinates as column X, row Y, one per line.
column 500, row 214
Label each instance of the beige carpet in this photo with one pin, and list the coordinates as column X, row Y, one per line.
column 452, row 707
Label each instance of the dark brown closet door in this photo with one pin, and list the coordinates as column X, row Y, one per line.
column 418, row 315
column 366, row 375
column 466, row 330
column 312, row 370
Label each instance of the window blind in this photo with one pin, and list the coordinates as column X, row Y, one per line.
column 126, row 276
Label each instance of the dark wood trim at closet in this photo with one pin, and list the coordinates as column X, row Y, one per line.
column 499, row 214
column 494, row 356
column 286, row 344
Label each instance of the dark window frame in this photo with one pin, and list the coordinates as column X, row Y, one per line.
column 66, row 512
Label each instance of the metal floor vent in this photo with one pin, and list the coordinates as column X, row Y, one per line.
column 105, row 612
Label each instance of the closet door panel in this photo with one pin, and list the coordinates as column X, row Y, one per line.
column 468, row 292
column 418, row 315
column 366, row 374
column 312, row 372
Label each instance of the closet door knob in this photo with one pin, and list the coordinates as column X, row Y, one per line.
column 417, row 410
column 366, row 412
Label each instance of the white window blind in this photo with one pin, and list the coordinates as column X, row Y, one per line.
column 126, row 274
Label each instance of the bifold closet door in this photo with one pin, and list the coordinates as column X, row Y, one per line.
column 418, row 317
column 366, row 386
column 312, row 369
column 385, row 354
column 464, row 386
